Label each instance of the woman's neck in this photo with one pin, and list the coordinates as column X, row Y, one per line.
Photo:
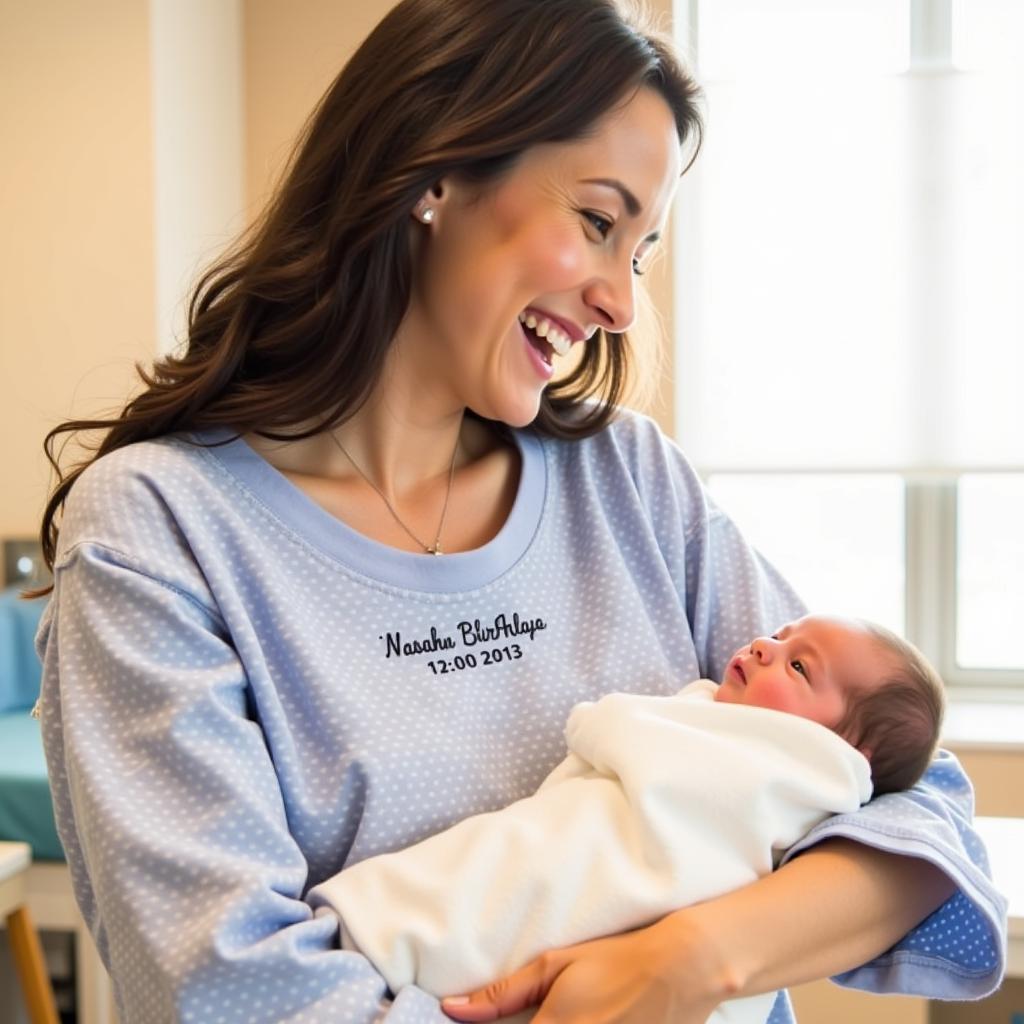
column 398, row 451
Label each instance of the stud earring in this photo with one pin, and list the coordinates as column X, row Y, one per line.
column 427, row 214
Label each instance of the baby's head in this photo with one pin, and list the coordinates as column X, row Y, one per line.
column 861, row 680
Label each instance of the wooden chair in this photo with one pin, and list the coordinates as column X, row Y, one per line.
column 15, row 859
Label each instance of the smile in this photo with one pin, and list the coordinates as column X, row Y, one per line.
column 544, row 328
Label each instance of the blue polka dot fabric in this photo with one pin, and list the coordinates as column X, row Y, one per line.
column 958, row 951
column 241, row 695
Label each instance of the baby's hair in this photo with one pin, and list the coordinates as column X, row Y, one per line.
column 898, row 722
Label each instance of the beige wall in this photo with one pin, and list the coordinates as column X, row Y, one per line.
column 76, row 249
column 998, row 778
column 293, row 52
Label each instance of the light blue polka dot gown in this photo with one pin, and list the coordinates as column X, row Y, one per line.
column 241, row 696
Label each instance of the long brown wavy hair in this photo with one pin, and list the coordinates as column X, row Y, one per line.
column 292, row 325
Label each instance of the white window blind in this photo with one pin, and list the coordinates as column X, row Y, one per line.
column 851, row 271
column 990, row 585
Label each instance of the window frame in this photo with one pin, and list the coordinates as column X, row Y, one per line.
column 930, row 596
column 932, row 589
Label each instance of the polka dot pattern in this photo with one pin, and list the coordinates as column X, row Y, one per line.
column 234, row 709
column 782, row 1010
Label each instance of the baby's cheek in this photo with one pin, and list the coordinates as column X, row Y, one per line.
column 726, row 694
column 776, row 696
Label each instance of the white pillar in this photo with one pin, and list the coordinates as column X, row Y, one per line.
column 198, row 146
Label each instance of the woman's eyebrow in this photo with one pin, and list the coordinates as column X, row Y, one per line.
column 633, row 207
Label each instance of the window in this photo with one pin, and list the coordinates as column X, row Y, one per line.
column 855, row 565
column 850, row 280
column 990, row 599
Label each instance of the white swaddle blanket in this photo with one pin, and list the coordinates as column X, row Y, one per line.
column 662, row 802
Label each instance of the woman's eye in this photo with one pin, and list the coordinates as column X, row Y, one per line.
column 601, row 224
column 642, row 263
column 799, row 667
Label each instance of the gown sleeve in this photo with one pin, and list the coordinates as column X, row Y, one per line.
column 959, row 951
column 172, row 816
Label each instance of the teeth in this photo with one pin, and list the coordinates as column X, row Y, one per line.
column 544, row 328
column 559, row 342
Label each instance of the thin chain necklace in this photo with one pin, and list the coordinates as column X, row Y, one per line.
column 430, row 549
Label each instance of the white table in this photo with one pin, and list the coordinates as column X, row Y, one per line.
column 1004, row 838
column 15, row 859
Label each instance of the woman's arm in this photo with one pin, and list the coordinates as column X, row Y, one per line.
column 845, row 903
column 836, row 906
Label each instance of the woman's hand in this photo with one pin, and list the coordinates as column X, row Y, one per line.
column 660, row 973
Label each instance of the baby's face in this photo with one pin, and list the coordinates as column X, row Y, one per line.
column 808, row 668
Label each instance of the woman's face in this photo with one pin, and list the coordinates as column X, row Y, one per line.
column 557, row 238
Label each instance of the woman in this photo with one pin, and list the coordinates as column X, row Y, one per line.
column 322, row 592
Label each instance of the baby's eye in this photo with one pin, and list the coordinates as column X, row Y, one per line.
column 601, row 224
column 799, row 667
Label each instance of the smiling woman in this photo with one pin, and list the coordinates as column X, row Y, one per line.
column 471, row 163
column 335, row 576
column 548, row 242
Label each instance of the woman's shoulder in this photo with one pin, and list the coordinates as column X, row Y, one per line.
column 127, row 495
column 630, row 468
column 631, row 442
column 142, row 470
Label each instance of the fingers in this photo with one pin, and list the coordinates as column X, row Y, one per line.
column 526, row 987
column 470, row 1008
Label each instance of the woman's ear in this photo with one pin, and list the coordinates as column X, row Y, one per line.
column 432, row 202
column 424, row 211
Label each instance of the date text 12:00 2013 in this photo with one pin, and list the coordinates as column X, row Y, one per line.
column 495, row 656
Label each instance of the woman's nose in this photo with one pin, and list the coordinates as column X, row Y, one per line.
column 611, row 297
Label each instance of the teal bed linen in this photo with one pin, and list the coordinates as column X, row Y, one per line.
column 26, row 811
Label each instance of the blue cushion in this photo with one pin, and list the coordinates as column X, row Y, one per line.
column 26, row 811
column 19, row 666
